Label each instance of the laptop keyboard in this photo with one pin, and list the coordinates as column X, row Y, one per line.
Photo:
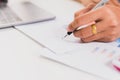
column 8, row 16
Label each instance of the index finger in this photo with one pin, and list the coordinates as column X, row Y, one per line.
column 87, row 18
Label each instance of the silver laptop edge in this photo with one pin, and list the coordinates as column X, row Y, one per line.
column 25, row 13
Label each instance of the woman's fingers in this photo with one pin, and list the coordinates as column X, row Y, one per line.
column 87, row 32
column 107, row 24
column 95, row 37
column 89, row 17
column 107, row 39
column 109, row 35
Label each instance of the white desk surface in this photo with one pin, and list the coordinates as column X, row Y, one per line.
column 20, row 56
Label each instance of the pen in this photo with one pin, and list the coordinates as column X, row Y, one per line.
column 101, row 3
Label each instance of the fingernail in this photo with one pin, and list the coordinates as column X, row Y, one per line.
column 68, row 29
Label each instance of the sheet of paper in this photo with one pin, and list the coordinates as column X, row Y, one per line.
column 50, row 34
column 85, row 62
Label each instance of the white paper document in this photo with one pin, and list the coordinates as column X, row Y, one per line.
column 94, row 58
column 51, row 35
column 84, row 62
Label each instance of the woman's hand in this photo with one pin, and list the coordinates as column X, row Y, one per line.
column 107, row 20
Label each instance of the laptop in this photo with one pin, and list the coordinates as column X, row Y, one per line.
column 21, row 13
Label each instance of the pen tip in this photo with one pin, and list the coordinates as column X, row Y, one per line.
column 65, row 36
